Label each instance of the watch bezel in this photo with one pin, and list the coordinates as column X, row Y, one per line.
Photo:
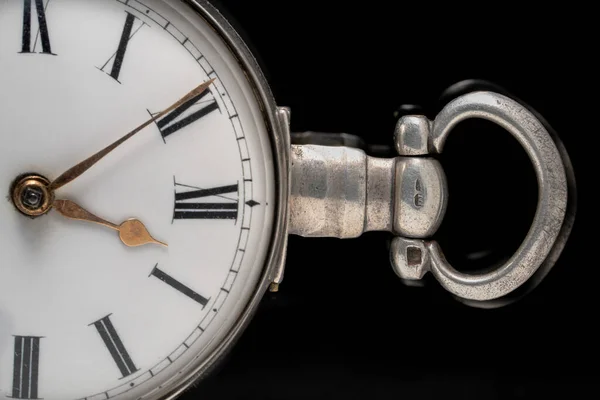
column 277, row 123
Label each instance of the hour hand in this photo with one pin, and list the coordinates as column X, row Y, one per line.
column 132, row 232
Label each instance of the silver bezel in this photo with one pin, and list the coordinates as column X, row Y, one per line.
column 277, row 123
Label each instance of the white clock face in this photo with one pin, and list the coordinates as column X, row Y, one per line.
column 82, row 316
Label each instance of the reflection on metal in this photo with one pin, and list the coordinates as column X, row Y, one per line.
column 339, row 191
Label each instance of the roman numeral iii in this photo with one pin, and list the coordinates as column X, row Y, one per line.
column 26, row 367
column 42, row 32
column 115, row 346
column 217, row 203
column 117, row 59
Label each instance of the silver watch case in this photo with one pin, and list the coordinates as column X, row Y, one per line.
column 277, row 121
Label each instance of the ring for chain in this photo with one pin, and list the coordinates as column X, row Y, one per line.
column 551, row 206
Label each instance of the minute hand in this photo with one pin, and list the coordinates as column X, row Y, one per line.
column 83, row 166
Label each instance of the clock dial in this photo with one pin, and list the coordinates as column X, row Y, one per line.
column 83, row 316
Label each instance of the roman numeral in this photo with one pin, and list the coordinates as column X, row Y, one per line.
column 42, row 33
column 188, row 113
column 115, row 346
column 224, row 208
column 119, row 56
column 169, row 280
column 26, row 367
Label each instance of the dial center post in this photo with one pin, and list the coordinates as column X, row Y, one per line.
column 31, row 195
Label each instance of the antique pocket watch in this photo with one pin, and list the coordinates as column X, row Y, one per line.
column 131, row 269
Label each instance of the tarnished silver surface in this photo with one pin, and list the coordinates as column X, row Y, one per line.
column 380, row 194
column 552, row 201
column 421, row 196
column 341, row 192
column 412, row 136
column 283, row 115
column 329, row 191
column 328, row 139
column 337, row 192
column 563, row 236
column 410, row 258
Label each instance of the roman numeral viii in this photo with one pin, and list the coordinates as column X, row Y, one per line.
column 223, row 206
column 26, row 367
column 115, row 346
column 188, row 113
column 117, row 59
column 42, row 32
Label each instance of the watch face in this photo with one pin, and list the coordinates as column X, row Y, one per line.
column 82, row 315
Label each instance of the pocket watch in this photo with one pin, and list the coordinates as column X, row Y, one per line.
column 151, row 184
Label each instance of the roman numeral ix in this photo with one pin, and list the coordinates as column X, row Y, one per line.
column 224, row 208
column 118, row 57
column 115, row 346
column 26, row 367
column 42, row 32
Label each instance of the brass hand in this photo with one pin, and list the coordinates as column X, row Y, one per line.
column 83, row 166
column 132, row 232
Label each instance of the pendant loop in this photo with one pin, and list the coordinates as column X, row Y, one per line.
column 550, row 214
column 340, row 191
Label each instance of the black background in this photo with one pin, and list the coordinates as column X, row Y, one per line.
column 343, row 325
